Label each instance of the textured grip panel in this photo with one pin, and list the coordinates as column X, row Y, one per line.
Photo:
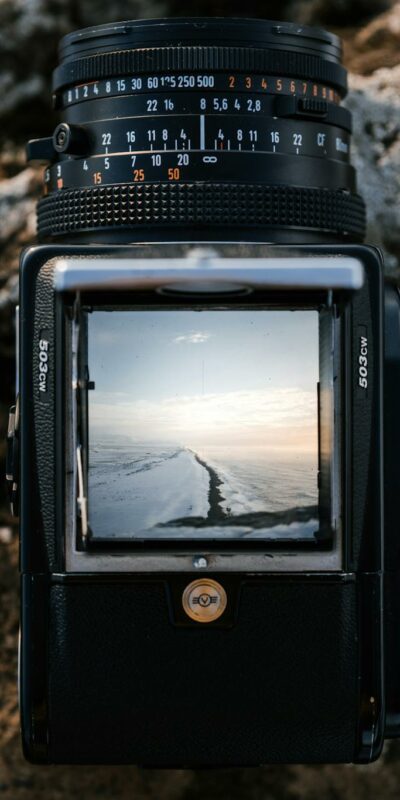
column 127, row 686
column 233, row 204
column 194, row 58
column 44, row 410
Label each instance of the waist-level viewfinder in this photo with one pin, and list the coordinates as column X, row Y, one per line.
column 205, row 398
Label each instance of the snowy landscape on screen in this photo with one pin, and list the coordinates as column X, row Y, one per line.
column 189, row 437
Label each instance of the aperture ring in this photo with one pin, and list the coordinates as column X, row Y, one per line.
column 208, row 204
column 194, row 58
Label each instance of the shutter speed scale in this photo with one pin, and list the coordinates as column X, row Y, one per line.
column 239, row 132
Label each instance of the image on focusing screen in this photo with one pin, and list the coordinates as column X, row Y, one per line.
column 203, row 424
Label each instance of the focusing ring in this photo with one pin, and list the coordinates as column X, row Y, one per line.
column 194, row 58
column 219, row 204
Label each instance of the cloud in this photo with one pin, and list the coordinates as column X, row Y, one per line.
column 281, row 417
column 195, row 337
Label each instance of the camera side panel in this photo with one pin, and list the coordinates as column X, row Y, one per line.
column 40, row 551
column 363, row 470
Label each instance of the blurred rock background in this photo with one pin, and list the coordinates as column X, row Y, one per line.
column 29, row 32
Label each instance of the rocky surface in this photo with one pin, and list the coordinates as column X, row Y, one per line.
column 314, row 12
column 29, row 31
column 29, row 34
column 375, row 104
column 376, row 45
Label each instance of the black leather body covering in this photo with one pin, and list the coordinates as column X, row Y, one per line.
column 127, row 686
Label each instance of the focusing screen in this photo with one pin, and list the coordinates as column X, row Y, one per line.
column 203, row 424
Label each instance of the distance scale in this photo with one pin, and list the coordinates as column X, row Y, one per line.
column 177, row 148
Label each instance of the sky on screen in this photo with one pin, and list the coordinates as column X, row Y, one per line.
column 206, row 378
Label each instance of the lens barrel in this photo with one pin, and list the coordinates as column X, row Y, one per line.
column 200, row 128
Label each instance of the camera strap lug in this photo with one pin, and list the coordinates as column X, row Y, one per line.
column 12, row 458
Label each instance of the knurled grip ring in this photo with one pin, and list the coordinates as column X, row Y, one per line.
column 194, row 58
column 204, row 204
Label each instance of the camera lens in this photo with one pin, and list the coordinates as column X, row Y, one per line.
column 205, row 128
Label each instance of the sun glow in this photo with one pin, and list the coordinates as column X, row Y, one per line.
column 278, row 418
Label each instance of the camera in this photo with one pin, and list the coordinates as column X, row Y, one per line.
column 205, row 439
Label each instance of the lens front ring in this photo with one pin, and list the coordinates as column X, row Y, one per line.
column 201, row 124
column 198, row 59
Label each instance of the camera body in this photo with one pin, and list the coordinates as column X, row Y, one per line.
column 115, row 665
column 205, row 436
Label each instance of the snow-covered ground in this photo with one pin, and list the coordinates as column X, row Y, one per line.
column 132, row 497
column 148, row 491
column 295, row 531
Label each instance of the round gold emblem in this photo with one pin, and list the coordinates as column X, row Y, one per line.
column 204, row 600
